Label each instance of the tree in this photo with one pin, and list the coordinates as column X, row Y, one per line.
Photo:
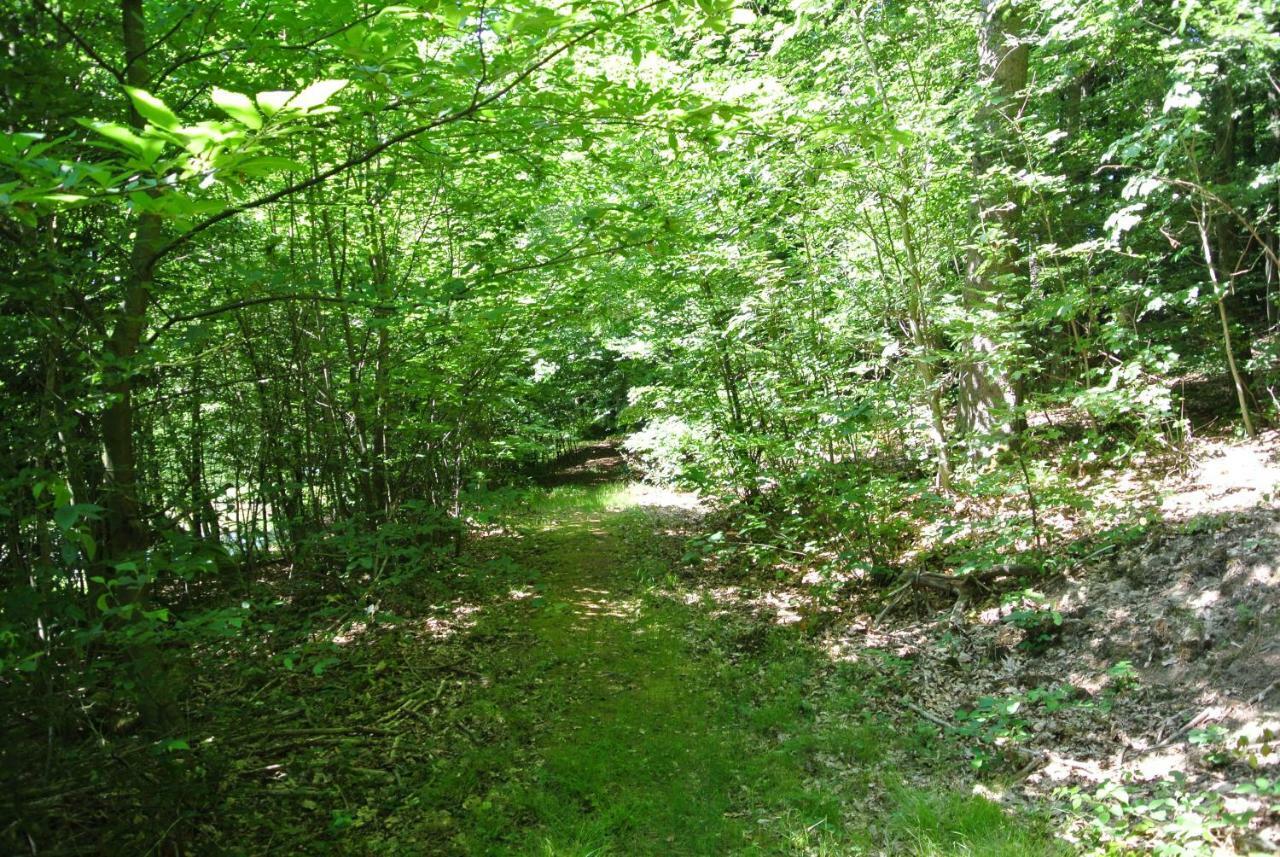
column 988, row 393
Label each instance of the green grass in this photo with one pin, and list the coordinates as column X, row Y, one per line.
column 575, row 501
column 625, row 722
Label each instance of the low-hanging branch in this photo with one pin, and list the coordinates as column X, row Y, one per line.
column 477, row 103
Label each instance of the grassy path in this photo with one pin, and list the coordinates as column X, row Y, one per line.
column 617, row 717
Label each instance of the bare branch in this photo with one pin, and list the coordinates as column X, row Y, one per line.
column 182, row 19
column 231, row 306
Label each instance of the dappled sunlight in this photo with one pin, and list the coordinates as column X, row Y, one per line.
column 575, row 504
column 593, row 602
column 1151, row 664
column 614, row 608
column 350, row 633
column 445, row 621
column 780, row 605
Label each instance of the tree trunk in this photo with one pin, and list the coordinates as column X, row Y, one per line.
column 987, row 393
column 380, row 266
column 126, row 534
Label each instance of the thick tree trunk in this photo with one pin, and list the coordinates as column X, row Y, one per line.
column 987, row 394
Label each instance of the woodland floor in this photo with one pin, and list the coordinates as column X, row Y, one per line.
column 576, row 684
column 581, row 698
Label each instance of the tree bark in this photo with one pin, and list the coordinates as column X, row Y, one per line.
column 126, row 534
column 987, row 393
column 124, row 529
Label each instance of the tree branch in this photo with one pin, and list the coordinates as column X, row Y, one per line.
column 232, row 306
column 329, row 35
column 372, row 152
column 1212, row 197
column 182, row 19
column 83, row 45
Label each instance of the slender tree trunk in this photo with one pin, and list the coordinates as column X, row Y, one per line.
column 926, row 346
column 125, row 531
column 918, row 322
column 126, row 534
column 1204, row 225
column 380, row 263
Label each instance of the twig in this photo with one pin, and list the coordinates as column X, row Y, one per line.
column 318, row 731
column 462, row 727
column 82, row 43
column 372, row 152
column 927, row 715
column 1187, row 727
column 770, row 547
column 892, row 600
column 331, row 730
column 958, row 585
column 1262, row 694
column 163, row 836
column 260, row 690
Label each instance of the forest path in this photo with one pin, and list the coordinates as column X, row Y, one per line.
column 629, row 743
column 621, row 714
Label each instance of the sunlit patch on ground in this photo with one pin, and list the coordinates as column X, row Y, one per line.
column 665, row 720
column 1227, row 476
column 350, row 633
column 642, row 495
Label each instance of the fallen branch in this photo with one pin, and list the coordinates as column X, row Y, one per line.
column 962, row 586
column 1202, row 717
column 928, row 715
column 1264, row 693
column 413, row 701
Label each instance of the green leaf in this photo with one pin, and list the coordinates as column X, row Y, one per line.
column 64, row 198
column 153, row 109
column 273, row 101
column 316, row 94
column 238, row 106
column 323, row 665
column 269, row 164
column 146, row 149
column 67, row 516
column 116, row 133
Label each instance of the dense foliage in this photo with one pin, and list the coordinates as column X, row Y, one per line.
column 296, row 287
